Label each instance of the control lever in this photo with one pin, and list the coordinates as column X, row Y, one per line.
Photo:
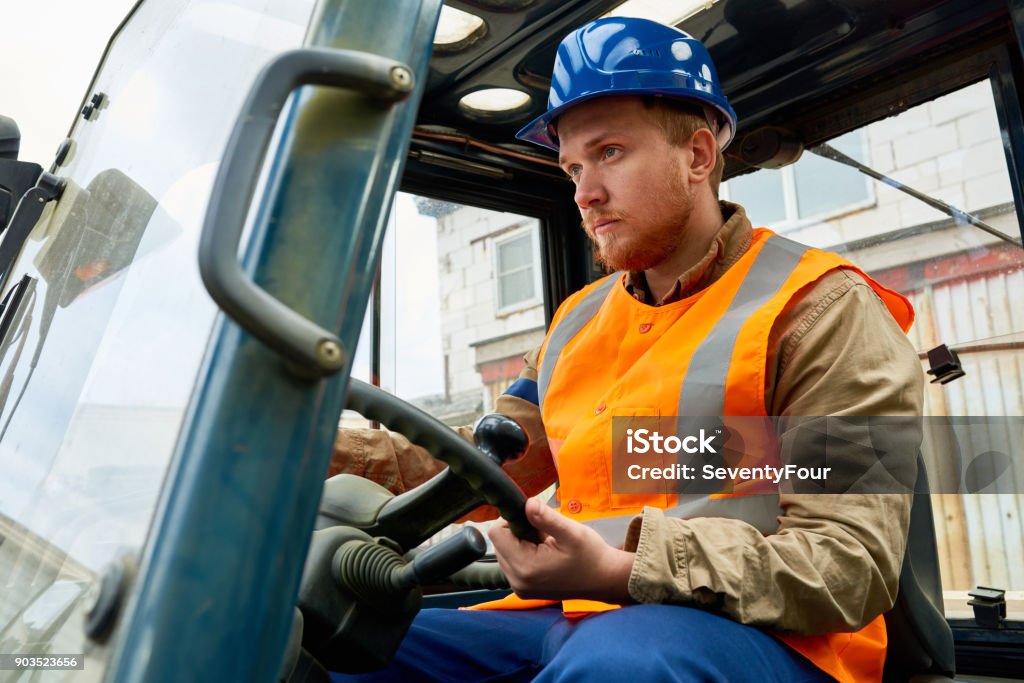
column 501, row 438
column 377, row 575
column 359, row 595
column 447, row 557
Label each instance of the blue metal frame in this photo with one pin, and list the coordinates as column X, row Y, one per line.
column 220, row 572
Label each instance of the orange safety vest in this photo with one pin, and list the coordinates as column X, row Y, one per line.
column 606, row 354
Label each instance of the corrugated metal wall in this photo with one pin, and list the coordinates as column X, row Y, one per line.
column 981, row 536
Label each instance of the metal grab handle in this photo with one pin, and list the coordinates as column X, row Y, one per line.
column 311, row 349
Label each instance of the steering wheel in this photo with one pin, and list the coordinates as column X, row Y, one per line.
column 472, row 476
column 360, row 591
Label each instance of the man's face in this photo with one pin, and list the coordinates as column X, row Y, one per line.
column 630, row 186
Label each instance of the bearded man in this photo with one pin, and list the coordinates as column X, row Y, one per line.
column 703, row 316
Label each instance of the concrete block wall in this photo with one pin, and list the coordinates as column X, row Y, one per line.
column 468, row 290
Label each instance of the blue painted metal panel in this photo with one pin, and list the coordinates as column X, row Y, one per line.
column 219, row 576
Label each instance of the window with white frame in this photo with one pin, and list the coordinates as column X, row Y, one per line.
column 515, row 269
column 813, row 188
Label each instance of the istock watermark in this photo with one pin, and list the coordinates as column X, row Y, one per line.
column 767, row 473
column 646, row 441
column 686, row 454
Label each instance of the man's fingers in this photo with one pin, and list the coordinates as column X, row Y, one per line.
column 546, row 520
column 501, row 536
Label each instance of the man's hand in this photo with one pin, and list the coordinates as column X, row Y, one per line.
column 572, row 561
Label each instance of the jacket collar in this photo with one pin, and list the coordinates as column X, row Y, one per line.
column 730, row 243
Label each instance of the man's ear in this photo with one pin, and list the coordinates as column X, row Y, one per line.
column 704, row 154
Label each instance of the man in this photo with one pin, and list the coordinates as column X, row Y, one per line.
column 705, row 316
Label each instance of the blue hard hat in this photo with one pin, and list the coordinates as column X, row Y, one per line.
column 628, row 56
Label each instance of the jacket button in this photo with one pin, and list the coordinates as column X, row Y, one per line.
column 575, row 507
column 600, row 409
column 645, row 328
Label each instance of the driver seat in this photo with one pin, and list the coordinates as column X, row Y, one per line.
column 921, row 647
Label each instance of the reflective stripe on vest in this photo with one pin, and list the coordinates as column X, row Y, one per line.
column 703, row 390
column 568, row 328
column 759, row 511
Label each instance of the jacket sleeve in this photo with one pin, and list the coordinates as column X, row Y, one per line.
column 391, row 460
column 833, row 563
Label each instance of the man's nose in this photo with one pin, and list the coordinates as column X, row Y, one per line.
column 590, row 190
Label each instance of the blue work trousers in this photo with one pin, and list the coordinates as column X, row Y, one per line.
column 636, row 644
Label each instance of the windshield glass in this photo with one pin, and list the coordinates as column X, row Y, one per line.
column 108, row 321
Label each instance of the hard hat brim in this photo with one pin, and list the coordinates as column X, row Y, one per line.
column 540, row 131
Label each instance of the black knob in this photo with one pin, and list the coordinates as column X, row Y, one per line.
column 500, row 437
column 447, row 557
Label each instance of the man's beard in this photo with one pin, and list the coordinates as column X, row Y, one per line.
column 642, row 247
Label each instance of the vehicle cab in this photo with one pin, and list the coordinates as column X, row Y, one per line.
column 264, row 210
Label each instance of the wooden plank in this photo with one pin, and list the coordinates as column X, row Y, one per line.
column 951, row 537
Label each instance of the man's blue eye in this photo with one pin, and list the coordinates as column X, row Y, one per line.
column 610, row 151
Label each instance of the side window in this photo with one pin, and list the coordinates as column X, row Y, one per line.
column 461, row 304
column 811, row 190
column 517, row 270
column 965, row 285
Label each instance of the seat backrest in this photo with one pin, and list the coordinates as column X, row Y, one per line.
column 920, row 640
